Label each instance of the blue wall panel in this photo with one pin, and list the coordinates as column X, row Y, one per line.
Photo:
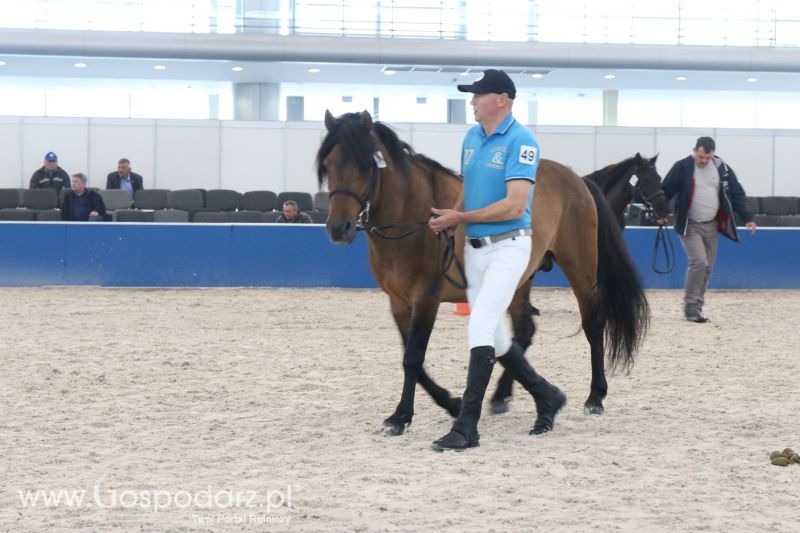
column 222, row 255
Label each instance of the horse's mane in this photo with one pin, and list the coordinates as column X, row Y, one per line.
column 610, row 175
column 358, row 146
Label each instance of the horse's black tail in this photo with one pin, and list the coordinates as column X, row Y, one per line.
column 621, row 298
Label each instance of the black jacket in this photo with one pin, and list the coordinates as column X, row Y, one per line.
column 95, row 204
column 112, row 181
column 301, row 218
column 57, row 180
column 679, row 182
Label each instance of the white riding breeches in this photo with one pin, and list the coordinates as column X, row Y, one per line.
column 493, row 273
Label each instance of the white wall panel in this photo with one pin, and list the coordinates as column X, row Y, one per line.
column 749, row 153
column 303, row 140
column 253, row 156
column 673, row 144
column 441, row 142
column 111, row 140
column 787, row 165
column 613, row 145
column 68, row 138
column 11, row 171
column 570, row 146
column 187, row 154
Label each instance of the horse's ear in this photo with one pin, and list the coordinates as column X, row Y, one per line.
column 653, row 161
column 330, row 122
column 366, row 119
column 638, row 158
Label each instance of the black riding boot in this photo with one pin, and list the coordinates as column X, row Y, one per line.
column 549, row 399
column 464, row 433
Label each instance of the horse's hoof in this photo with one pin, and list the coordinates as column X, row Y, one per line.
column 393, row 430
column 498, row 408
column 593, row 409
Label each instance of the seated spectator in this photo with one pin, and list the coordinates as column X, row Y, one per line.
column 124, row 179
column 82, row 204
column 50, row 176
column 292, row 214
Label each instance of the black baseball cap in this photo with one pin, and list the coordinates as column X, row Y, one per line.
column 491, row 81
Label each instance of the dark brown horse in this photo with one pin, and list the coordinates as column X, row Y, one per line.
column 634, row 179
column 379, row 184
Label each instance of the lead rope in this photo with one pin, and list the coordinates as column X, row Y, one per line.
column 664, row 238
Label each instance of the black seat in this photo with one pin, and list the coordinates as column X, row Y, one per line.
column 753, row 205
column 223, row 199
column 768, row 221
column 304, row 200
column 115, row 199
column 16, row 214
column 322, row 201
column 248, row 217
column 211, row 217
column 186, row 199
column 319, row 217
column 259, row 201
column 40, row 199
column 133, row 215
column 779, row 205
column 9, row 198
column 151, row 199
column 170, row 215
column 271, row 216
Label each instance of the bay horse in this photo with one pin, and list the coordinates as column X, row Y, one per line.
column 634, row 179
column 379, row 184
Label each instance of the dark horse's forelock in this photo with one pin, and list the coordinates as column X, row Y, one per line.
column 357, row 146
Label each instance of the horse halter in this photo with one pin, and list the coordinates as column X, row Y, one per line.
column 639, row 195
column 362, row 219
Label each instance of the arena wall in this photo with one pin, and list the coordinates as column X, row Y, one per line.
column 279, row 156
column 226, row 255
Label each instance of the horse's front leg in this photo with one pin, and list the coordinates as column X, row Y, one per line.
column 423, row 316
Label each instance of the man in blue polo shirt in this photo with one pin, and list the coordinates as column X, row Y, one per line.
column 499, row 159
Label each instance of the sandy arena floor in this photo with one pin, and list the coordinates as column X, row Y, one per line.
column 164, row 406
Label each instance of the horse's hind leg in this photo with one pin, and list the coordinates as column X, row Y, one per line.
column 593, row 327
column 522, row 313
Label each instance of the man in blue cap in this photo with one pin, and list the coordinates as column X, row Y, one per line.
column 50, row 176
column 499, row 158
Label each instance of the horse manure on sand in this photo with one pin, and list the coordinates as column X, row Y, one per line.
column 784, row 458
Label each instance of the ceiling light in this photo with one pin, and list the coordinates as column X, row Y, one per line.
column 2, row 62
column 389, row 72
column 752, row 79
column 465, row 73
column 159, row 67
column 80, row 65
column 537, row 75
column 609, row 76
column 313, row 70
column 237, row 69
column 681, row 78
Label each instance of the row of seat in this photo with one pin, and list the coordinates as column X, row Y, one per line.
column 768, row 211
column 184, row 199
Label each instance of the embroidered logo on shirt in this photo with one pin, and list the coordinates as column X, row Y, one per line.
column 527, row 155
column 498, row 160
column 468, row 155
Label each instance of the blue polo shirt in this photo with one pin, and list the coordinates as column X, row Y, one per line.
column 488, row 162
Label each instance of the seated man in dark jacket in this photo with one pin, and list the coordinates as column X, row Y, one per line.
column 124, row 179
column 50, row 176
column 292, row 214
column 82, row 204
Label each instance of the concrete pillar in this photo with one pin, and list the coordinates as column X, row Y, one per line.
column 256, row 101
column 610, row 104
column 295, row 108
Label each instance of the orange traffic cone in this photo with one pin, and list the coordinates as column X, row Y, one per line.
column 462, row 309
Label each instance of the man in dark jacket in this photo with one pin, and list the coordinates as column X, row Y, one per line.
column 82, row 204
column 292, row 214
column 707, row 194
column 50, row 176
column 124, row 179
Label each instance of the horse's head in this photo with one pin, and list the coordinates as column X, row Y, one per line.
column 647, row 189
column 349, row 160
